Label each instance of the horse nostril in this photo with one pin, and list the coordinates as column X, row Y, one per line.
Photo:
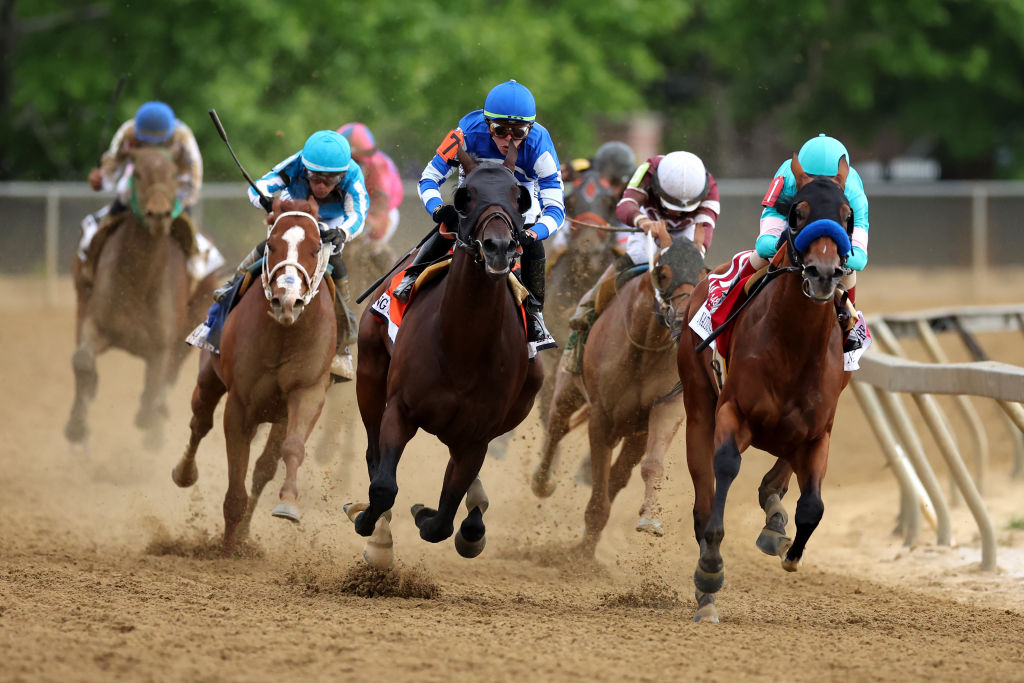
column 276, row 302
column 490, row 245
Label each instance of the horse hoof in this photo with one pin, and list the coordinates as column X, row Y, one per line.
column 790, row 565
column 420, row 513
column 650, row 525
column 708, row 614
column 770, row 541
column 185, row 476
column 287, row 511
column 76, row 432
column 469, row 549
column 542, row 488
column 708, row 582
column 379, row 551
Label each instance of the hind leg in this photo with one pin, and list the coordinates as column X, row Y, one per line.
column 209, row 388
column 567, row 400
column 773, row 539
column 463, row 467
column 809, row 467
column 83, row 362
column 304, row 406
column 471, row 536
column 663, row 423
column 371, row 385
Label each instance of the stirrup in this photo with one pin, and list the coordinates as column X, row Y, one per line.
column 342, row 367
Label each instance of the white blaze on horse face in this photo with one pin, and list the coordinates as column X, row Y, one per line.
column 289, row 279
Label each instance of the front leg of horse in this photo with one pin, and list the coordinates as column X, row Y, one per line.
column 463, row 468
column 304, row 408
column 710, row 572
column 567, row 400
column 773, row 539
column 238, row 434
column 663, row 423
column 153, row 404
column 595, row 517
column 83, row 362
column 471, row 537
column 395, row 432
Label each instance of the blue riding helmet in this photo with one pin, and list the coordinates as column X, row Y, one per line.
column 821, row 155
column 154, row 122
column 326, row 151
column 510, row 100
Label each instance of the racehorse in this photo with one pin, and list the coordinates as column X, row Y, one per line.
column 274, row 365
column 628, row 377
column 138, row 299
column 458, row 367
column 785, row 372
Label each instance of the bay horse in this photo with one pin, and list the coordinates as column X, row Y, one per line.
column 785, row 372
column 628, row 379
column 139, row 298
column 274, row 366
column 458, row 368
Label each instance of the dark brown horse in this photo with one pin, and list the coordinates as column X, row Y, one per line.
column 784, row 376
column 628, row 377
column 139, row 299
column 274, row 365
column 459, row 366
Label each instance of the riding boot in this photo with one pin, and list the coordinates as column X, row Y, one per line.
column 847, row 315
column 342, row 367
column 243, row 267
column 579, row 325
column 434, row 248
column 94, row 229
column 533, row 277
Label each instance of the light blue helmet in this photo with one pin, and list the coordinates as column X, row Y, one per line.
column 154, row 122
column 510, row 100
column 326, row 151
column 821, row 155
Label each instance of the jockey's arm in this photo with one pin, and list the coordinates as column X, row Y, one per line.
column 356, row 203
column 378, row 217
column 269, row 184
column 190, row 165
column 116, row 157
column 550, row 190
column 434, row 174
column 859, row 203
column 706, row 216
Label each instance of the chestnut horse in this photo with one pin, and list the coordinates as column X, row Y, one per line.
column 274, row 365
column 784, row 376
column 138, row 299
column 458, row 368
column 628, row 378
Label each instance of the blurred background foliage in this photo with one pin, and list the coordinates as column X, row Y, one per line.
column 741, row 82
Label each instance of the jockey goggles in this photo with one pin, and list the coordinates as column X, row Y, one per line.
column 501, row 129
column 331, row 179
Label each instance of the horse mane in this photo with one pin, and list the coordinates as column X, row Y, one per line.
column 309, row 206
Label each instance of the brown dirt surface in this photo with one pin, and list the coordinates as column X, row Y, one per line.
column 108, row 571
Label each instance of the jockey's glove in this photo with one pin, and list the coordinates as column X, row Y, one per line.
column 525, row 238
column 858, row 259
column 335, row 236
column 447, row 214
column 267, row 203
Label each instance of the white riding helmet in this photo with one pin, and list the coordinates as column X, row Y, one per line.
column 681, row 181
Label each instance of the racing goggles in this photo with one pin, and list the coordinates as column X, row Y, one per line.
column 330, row 179
column 502, row 129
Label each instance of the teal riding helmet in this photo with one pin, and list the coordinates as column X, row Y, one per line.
column 510, row 100
column 326, row 151
column 821, row 155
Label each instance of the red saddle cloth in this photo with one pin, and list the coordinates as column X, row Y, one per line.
column 725, row 293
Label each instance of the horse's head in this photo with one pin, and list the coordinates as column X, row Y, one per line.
column 820, row 225
column 154, row 189
column 675, row 273
column 294, row 262
column 491, row 205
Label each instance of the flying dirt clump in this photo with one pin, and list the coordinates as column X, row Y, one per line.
column 322, row 577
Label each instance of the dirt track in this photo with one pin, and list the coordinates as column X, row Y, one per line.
column 108, row 570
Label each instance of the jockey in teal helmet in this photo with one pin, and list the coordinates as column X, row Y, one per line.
column 383, row 184
column 154, row 125
column 323, row 168
column 818, row 156
column 508, row 118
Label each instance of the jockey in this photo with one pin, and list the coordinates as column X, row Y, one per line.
column 325, row 169
column 383, row 185
column 508, row 118
column 819, row 156
column 596, row 185
column 668, row 194
column 154, row 125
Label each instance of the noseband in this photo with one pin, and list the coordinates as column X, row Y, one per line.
column 476, row 247
column 312, row 283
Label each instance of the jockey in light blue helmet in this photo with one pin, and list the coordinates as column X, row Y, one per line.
column 154, row 122
column 820, row 155
column 326, row 151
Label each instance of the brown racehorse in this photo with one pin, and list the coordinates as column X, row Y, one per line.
column 628, row 377
column 785, row 374
column 274, row 365
column 138, row 299
column 459, row 366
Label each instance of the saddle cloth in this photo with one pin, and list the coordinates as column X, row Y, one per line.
column 390, row 311
column 728, row 290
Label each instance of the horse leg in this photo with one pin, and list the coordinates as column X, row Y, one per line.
column 152, row 403
column 395, row 433
column 471, row 536
column 567, row 400
column 304, row 406
column 262, row 473
column 238, row 432
column 599, row 506
column 209, row 388
column 810, row 471
column 463, row 467
column 662, row 423
column 773, row 539
column 83, row 362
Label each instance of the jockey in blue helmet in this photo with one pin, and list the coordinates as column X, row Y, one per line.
column 508, row 118
column 154, row 125
column 323, row 168
column 818, row 156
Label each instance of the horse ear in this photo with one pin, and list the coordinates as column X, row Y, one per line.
column 510, row 157
column 525, row 198
column 798, row 173
column 465, row 160
column 844, row 170
column 461, row 200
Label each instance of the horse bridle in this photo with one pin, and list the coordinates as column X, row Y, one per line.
column 312, row 282
column 475, row 247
